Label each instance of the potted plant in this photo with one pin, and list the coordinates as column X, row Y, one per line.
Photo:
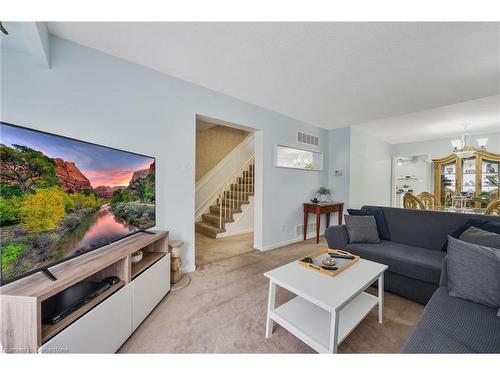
column 324, row 194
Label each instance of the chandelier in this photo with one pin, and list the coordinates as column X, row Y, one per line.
column 462, row 148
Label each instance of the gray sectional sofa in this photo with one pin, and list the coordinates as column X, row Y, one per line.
column 454, row 325
column 415, row 252
column 416, row 258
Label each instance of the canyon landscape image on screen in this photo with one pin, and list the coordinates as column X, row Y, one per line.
column 61, row 197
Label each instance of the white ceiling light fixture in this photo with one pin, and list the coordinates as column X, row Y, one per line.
column 462, row 148
column 481, row 142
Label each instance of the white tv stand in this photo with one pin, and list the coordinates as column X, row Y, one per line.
column 102, row 325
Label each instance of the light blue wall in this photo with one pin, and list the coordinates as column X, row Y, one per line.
column 339, row 154
column 92, row 96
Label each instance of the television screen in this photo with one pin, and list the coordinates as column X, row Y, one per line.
column 61, row 197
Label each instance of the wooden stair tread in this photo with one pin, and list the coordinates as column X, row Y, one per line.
column 216, row 218
column 207, row 229
column 215, row 209
column 231, row 200
column 237, row 194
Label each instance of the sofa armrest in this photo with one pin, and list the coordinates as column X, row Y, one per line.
column 443, row 280
column 337, row 237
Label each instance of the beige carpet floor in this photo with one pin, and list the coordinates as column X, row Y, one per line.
column 223, row 310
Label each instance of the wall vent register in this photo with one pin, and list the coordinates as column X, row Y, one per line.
column 299, row 229
column 307, row 139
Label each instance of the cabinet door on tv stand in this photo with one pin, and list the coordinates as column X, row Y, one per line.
column 148, row 290
column 102, row 330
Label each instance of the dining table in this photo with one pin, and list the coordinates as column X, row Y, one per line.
column 463, row 210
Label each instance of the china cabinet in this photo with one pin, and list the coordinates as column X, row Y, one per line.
column 470, row 178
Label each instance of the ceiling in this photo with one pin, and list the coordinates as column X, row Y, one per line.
column 327, row 74
column 481, row 116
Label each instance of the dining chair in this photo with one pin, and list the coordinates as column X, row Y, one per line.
column 411, row 201
column 429, row 200
column 493, row 207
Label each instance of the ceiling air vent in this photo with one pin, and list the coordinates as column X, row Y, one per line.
column 308, row 139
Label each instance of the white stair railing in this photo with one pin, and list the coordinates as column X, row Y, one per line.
column 229, row 199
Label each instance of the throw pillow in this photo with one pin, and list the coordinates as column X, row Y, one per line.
column 481, row 237
column 474, row 272
column 378, row 213
column 489, row 225
column 361, row 229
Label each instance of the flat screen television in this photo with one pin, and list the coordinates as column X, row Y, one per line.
column 61, row 198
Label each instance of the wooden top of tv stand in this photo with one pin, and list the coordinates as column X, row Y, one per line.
column 39, row 287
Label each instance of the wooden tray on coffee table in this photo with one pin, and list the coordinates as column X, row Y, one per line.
column 319, row 256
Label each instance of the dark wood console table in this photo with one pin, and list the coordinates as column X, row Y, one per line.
column 322, row 208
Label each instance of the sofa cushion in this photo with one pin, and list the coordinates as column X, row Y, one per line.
column 453, row 325
column 474, row 272
column 415, row 262
column 378, row 214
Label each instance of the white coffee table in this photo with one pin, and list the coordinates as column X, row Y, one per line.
column 326, row 309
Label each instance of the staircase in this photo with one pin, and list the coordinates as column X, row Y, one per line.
column 233, row 196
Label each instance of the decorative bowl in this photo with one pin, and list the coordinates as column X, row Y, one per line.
column 137, row 256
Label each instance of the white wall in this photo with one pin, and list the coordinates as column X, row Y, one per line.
column 92, row 96
column 365, row 162
column 244, row 221
column 370, row 170
column 419, row 166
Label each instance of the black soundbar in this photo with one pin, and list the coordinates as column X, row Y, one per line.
column 57, row 307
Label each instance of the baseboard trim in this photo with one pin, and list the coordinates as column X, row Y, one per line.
column 235, row 233
column 289, row 242
column 188, row 269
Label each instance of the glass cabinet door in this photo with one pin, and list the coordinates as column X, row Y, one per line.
column 448, row 182
column 468, row 177
column 489, row 171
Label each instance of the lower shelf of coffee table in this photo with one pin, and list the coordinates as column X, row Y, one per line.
column 312, row 324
